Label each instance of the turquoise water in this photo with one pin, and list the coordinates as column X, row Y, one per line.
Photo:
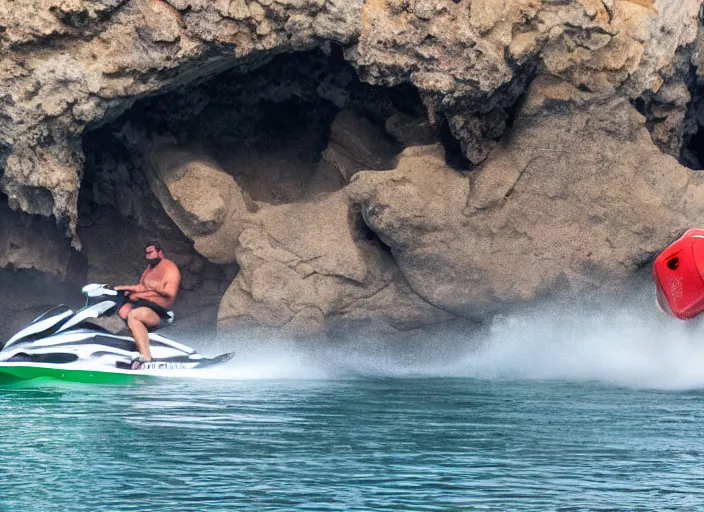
column 363, row 444
column 564, row 412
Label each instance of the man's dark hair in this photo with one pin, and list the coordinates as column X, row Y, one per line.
column 155, row 244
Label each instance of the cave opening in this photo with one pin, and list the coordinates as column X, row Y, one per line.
column 454, row 156
column 297, row 127
column 674, row 115
column 271, row 128
column 692, row 153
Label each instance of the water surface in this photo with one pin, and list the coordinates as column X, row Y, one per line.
column 360, row 444
column 562, row 411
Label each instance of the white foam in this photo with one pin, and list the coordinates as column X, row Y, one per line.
column 626, row 344
column 625, row 347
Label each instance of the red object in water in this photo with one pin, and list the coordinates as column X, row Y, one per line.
column 679, row 276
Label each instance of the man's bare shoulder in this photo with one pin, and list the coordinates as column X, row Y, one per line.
column 170, row 266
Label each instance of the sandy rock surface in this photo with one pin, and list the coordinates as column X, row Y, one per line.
column 398, row 162
column 574, row 199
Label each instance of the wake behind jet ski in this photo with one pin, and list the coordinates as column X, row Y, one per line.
column 83, row 346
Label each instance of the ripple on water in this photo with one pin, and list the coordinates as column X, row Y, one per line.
column 389, row 444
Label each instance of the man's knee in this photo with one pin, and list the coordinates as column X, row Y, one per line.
column 144, row 316
column 132, row 319
column 124, row 311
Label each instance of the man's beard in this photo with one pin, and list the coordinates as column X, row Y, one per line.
column 153, row 262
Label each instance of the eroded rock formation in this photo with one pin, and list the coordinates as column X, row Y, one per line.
column 577, row 197
column 402, row 163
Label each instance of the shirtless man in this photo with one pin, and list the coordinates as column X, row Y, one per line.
column 150, row 299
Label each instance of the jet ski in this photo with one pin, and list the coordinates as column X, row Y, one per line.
column 678, row 272
column 93, row 345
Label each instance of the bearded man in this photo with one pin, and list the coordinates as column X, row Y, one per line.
column 149, row 301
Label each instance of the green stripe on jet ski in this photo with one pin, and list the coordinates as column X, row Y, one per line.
column 10, row 374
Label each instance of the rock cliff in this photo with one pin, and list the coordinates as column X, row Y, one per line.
column 316, row 164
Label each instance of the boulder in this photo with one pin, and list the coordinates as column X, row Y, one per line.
column 356, row 144
column 577, row 197
column 306, row 268
column 200, row 197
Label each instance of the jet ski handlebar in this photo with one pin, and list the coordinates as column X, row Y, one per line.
column 95, row 293
column 99, row 290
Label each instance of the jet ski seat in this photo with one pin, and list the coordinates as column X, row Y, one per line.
column 116, row 325
column 112, row 324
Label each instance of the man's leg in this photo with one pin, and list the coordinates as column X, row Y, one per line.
column 124, row 310
column 139, row 320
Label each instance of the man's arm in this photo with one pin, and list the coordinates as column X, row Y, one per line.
column 165, row 289
column 168, row 287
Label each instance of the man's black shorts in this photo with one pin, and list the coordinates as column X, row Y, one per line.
column 163, row 313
